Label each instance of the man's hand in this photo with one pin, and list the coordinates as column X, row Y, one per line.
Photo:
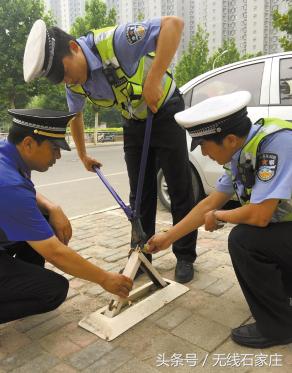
column 158, row 242
column 211, row 222
column 152, row 92
column 117, row 284
column 89, row 162
column 60, row 224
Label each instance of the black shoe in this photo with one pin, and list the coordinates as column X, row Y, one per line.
column 250, row 336
column 184, row 271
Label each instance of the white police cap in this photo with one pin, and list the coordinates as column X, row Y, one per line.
column 214, row 115
column 34, row 54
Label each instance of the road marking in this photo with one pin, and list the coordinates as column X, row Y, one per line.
column 76, row 180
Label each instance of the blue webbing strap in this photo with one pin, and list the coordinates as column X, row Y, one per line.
column 143, row 163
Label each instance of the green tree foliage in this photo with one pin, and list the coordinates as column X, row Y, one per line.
column 224, row 55
column 283, row 22
column 194, row 60
column 16, row 20
column 96, row 16
column 55, row 99
column 140, row 16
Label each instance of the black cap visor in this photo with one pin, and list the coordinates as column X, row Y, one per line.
column 195, row 142
column 61, row 143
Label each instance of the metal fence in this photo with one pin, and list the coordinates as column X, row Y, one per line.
column 90, row 137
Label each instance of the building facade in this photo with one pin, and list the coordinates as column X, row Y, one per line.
column 66, row 11
column 248, row 22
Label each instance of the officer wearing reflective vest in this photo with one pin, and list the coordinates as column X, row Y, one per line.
column 257, row 158
column 117, row 66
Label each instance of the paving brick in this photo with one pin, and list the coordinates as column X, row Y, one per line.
column 174, row 318
column 71, row 293
column 47, row 327
column 28, row 323
column 63, row 368
column 202, row 332
column 194, row 298
column 165, row 263
column 20, row 357
column 81, row 337
column 11, row 340
column 110, row 361
column 94, row 290
column 58, row 344
column 40, row 364
column 225, row 313
column 136, row 365
column 202, row 280
column 80, row 246
column 89, row 355
column 116, row 257
column 140, row 338
column 219, row 287
column 235, row 295
column 225, row 272
column 77, row 283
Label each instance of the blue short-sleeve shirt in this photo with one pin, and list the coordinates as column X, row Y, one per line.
column 277, row 146
column 20, row 217
column 128, row 52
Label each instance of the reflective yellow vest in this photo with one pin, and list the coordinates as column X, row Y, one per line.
column 127, row 89
column 249, row 154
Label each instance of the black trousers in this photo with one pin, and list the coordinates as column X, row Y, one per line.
column 262, row 260
column 168, row 146
column 26, row 287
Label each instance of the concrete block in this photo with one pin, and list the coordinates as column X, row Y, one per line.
column 202, row 332
column 89, row 355
column 40, row 364
column 20, row 356
column 174, row 318
column 110, row 361
column 47, row 327
column 219, row 287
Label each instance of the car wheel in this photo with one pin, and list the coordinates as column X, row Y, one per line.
column 162, row 188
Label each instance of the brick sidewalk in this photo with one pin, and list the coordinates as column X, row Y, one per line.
column 187, row 335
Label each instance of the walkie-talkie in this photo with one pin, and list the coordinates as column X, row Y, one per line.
column 111, row 75
column 246, row 173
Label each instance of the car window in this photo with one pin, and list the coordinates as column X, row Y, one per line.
column 187, row 98
column 286, row 81
column 247, row 78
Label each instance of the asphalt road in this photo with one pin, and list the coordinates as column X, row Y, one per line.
column 79, row 191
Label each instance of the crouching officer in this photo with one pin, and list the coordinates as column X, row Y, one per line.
column 27, row 239
column 259, row 171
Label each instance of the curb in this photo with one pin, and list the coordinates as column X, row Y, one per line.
column 92, row 145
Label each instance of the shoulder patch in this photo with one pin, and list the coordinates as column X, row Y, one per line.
column 135, row 32
column 267, row 166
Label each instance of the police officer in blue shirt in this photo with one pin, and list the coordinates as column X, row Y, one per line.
column 115, row 66
column 257, row 158
column 32, row 228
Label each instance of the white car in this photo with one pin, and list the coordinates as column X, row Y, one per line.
column 269, row 80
